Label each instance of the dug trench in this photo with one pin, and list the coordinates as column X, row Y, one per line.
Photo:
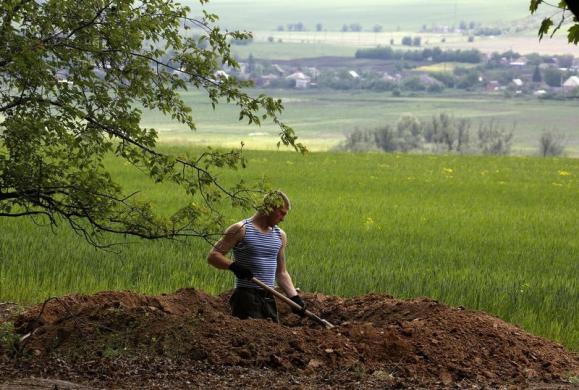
column 188, row 339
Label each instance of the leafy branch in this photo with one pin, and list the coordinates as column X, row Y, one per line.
column 72, row 79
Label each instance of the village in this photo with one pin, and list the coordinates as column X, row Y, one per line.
column 509, row 74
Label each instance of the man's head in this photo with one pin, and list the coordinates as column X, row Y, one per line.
column 275, row 206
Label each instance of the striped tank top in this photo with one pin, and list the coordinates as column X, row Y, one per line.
column 258, row 251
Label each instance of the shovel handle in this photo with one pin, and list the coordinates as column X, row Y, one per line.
column 291, row 303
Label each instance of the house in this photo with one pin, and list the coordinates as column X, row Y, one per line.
column 429, row 81
column 313, row 71
column 353, row 74
column 388, row 77
column 519, row 62
column 493, row 86
column 278, row 69
column 220, row 75
column 571, row 84
column 266, row 80
column 302, row 81
column 518, row 82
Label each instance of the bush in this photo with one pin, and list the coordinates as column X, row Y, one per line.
column 553, row 77
column 413, row 84
column 551, row 143
column 494, row 139
column 407, row 41
column 435, row 88
column 442, row 133
column 241, row 42
column 445, row 78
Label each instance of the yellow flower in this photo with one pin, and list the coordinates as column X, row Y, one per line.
column 564, row 173
column 448, row 170
column 369, row 223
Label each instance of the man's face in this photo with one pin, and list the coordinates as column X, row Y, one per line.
column 277, row 215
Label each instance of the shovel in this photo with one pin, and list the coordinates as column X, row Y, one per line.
column 292, row 303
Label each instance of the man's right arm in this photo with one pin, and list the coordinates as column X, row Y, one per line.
column 217, row 256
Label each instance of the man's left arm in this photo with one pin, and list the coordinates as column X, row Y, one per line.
column 283, row 277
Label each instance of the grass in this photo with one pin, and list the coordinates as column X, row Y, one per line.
column 316, row 44
column 444, row 67
column 391, row 14
column 487, row 233
column 323, row 118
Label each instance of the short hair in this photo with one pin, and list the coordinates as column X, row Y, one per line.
column 273, row 200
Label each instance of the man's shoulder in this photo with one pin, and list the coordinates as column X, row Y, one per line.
column 237, row 229
column 281, row 232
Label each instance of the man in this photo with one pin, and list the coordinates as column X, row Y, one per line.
column 258, row 246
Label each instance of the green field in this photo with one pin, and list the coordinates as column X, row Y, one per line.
column 391, row 14
column 397, row 19
column 495, row 234
column 323, row 118
column 293, row 45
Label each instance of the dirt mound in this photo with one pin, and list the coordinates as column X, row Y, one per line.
column 188, row 339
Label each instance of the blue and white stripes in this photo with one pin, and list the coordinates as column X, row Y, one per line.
column 258, row 251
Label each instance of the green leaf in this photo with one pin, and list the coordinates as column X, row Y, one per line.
column 545, row 26
column 534, row 5
column 573, row 34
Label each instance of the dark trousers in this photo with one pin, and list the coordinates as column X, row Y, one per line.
column 253, row 303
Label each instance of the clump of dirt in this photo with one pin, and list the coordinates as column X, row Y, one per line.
column 188, row 339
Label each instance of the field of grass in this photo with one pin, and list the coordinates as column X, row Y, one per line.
column 291, row 45
column 397, row 19
column 323, row 118
column 495, row 234
column 393, row 15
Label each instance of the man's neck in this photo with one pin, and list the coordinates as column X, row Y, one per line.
column 260, row 221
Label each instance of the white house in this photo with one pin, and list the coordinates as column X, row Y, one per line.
column 221, row 74
column 571, row 83
column 302, row 81
column 519, row 62
column 354, row 74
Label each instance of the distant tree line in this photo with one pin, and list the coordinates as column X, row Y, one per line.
column 436, row 54
column 410, row 41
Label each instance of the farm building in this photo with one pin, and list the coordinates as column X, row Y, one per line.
column 492, row 86
column 354, row 74
column 571, row 84
column 266, row 80
column 302, row 81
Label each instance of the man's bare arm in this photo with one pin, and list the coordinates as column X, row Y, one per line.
column 217, row 256
column 283, row 277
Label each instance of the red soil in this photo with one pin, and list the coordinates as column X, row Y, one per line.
column 188, row 339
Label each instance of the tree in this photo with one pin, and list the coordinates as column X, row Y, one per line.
column 566, row 10
column 407, row 41
column 551, row 143
column 537, row 78
column 553, row 77
column 74, row 79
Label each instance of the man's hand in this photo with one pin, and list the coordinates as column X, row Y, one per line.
column 240, row 271
column 297, row 299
